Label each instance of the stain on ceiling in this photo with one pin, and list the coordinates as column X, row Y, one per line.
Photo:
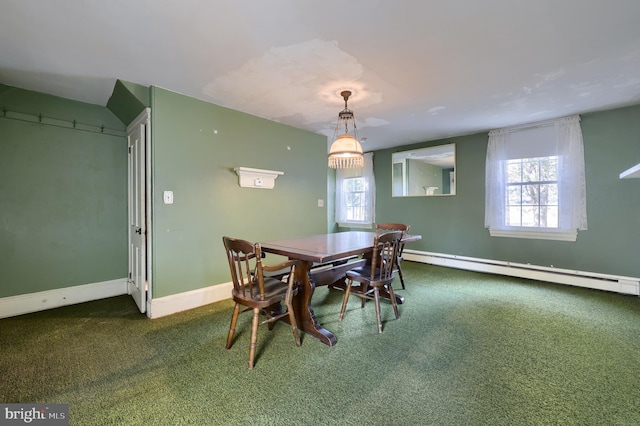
column 418, row 71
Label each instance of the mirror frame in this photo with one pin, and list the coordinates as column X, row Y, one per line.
column 440, row 156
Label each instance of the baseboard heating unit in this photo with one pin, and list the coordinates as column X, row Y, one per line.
column 594, row 280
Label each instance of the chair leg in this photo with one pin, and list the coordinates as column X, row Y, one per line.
column 364, row 289
column 254, row 336
column 400, row 274
column 292, row 317
column 232, row 327
column 294, row 327
column 392, row 297
column 345, row 299
column 376, row 294
column 270, row 312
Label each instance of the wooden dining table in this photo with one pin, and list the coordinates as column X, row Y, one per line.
column 324, row 259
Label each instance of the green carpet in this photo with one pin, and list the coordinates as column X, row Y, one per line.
column 468, row 349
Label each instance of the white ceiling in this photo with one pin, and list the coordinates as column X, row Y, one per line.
column 420, row 70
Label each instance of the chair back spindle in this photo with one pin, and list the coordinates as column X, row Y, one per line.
column 387, row 227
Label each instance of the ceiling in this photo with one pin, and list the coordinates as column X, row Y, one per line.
column 419, row 70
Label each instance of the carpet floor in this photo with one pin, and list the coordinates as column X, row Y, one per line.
column 468, row 349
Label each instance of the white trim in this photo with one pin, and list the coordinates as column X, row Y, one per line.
column 49, row 299
column 163, row 306
column 355, row 225
column 633, row 172
column 150, row 214
column 537, row 234
column 594, row 280
column 144, row 118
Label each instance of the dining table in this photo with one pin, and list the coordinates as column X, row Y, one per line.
column 323, row 260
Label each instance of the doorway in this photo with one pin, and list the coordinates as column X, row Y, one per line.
column 139, row 208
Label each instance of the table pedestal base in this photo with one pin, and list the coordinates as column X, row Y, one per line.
column 305, row 316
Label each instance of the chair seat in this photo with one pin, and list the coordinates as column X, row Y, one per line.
column 363, row 273
column 274, row 291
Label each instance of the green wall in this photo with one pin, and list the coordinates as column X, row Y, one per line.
column 128, row 100
column 196, row 163
column 455, row 224
column 62, row 193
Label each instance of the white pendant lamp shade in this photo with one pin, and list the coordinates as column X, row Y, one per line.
column 346, row 151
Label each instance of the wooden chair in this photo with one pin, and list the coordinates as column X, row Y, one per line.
column 380, row 273
column 386, row 227
column 257, row 292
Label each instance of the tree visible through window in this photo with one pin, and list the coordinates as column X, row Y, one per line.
column 532, row 192
column 355, row 189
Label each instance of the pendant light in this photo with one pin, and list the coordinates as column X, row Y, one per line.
column 346, row 151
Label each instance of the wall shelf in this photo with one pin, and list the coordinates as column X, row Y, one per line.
column 257, row 178
column 633, row 172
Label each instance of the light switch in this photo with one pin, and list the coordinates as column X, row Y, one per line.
column 168, row 197
column 320, row 202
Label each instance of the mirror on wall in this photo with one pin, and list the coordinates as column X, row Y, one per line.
column 425, row 172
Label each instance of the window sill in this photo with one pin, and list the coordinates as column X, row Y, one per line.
column 355, row 225
column 535, row 234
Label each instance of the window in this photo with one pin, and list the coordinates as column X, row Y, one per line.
column 355, row 195
column 532, row 192
column 535, row 184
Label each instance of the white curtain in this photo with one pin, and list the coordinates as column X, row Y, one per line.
column 562, row 138
column 369, row 202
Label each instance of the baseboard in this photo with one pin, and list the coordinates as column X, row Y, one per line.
column 163, row 306
column 33, row 302
column 594, row 280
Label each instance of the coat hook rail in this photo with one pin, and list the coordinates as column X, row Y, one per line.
column 56, row 122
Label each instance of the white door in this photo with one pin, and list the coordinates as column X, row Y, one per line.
column 137, row 135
